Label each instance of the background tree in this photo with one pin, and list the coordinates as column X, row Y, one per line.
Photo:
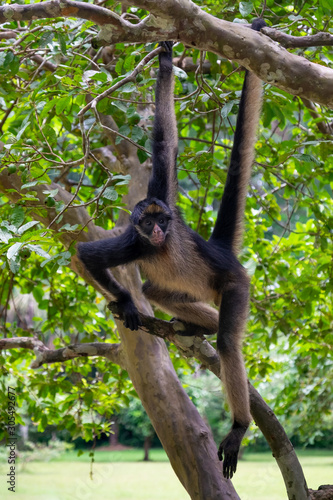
column 75, row 126
column 135, row 420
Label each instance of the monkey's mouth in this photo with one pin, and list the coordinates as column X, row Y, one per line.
column 158, row 240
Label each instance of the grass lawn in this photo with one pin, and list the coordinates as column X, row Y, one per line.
column 122, row 475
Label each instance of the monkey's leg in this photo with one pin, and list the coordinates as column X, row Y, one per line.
column 232, row 323
column 182, row 306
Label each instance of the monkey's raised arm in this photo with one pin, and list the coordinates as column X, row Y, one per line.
column 163, row 183
column 98, row 256
column 229, row 222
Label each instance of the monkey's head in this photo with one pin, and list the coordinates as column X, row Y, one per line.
column 151, row 218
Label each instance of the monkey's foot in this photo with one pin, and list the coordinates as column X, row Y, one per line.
column 186, row 329
column 229, row 448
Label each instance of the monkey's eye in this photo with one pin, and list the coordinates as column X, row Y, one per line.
column 162, row 220
column 148, row 222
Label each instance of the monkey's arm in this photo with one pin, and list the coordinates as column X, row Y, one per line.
column 98, row 256
column 163, row 182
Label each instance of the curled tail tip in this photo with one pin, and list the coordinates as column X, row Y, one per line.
column 257, row 24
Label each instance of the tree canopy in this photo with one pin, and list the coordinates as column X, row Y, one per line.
column 76, row 110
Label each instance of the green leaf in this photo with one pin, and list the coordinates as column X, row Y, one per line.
column 110, row 194
column 137, row 134
column 62, row 43
column 121, row 179
column 62, row 104
column 46, row 38
column 52, row 192
column 13, row 250
column 306, row 158
column 180, row 73
column 129, row 63
column 29, row 184
column 39, row 251
column 119, row 66
column 50, row 134
column 47, row 108
column 245, row 8
column 17, row 216
column 227, row 109
column 14, row 266
column 69, row 227
column 38, row 293
column 27, row 226
column 128, row 88
column 24, row 125
column 5, row 236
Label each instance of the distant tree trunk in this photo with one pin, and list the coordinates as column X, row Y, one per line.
column 146, row 447
column 24, row 431
column 114, row 436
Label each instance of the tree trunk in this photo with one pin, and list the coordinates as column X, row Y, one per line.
column 146, row 447
column 113, row 439
column 185, row 437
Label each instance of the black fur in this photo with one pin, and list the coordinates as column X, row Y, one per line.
column 139, row 209
column 164, row 151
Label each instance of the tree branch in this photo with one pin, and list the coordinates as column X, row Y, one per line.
column 129, row 78
column 289, row 41
column 184, row 21
column 61, row 8
column 324, row 127
column 113, row 352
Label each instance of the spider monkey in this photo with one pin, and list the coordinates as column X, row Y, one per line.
column 184, row 271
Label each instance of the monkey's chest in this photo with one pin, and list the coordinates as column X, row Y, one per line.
column 180, row 270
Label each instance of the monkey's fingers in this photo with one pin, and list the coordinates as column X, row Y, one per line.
column 127, row 312
column 229, row 461
column 132, row 322
column 167, row 46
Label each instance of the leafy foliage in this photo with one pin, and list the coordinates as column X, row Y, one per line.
column 288, row 237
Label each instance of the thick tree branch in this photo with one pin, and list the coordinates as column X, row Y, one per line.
column 184, row 21
column 63, row 8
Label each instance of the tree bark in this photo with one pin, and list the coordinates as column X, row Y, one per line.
column 192, row 26
column 146, row 447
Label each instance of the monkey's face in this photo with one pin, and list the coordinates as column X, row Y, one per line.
column 154, row 227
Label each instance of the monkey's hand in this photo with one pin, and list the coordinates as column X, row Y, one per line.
column 167, row 46
column 127, row 312
column 165, row 58
column 229, row 459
